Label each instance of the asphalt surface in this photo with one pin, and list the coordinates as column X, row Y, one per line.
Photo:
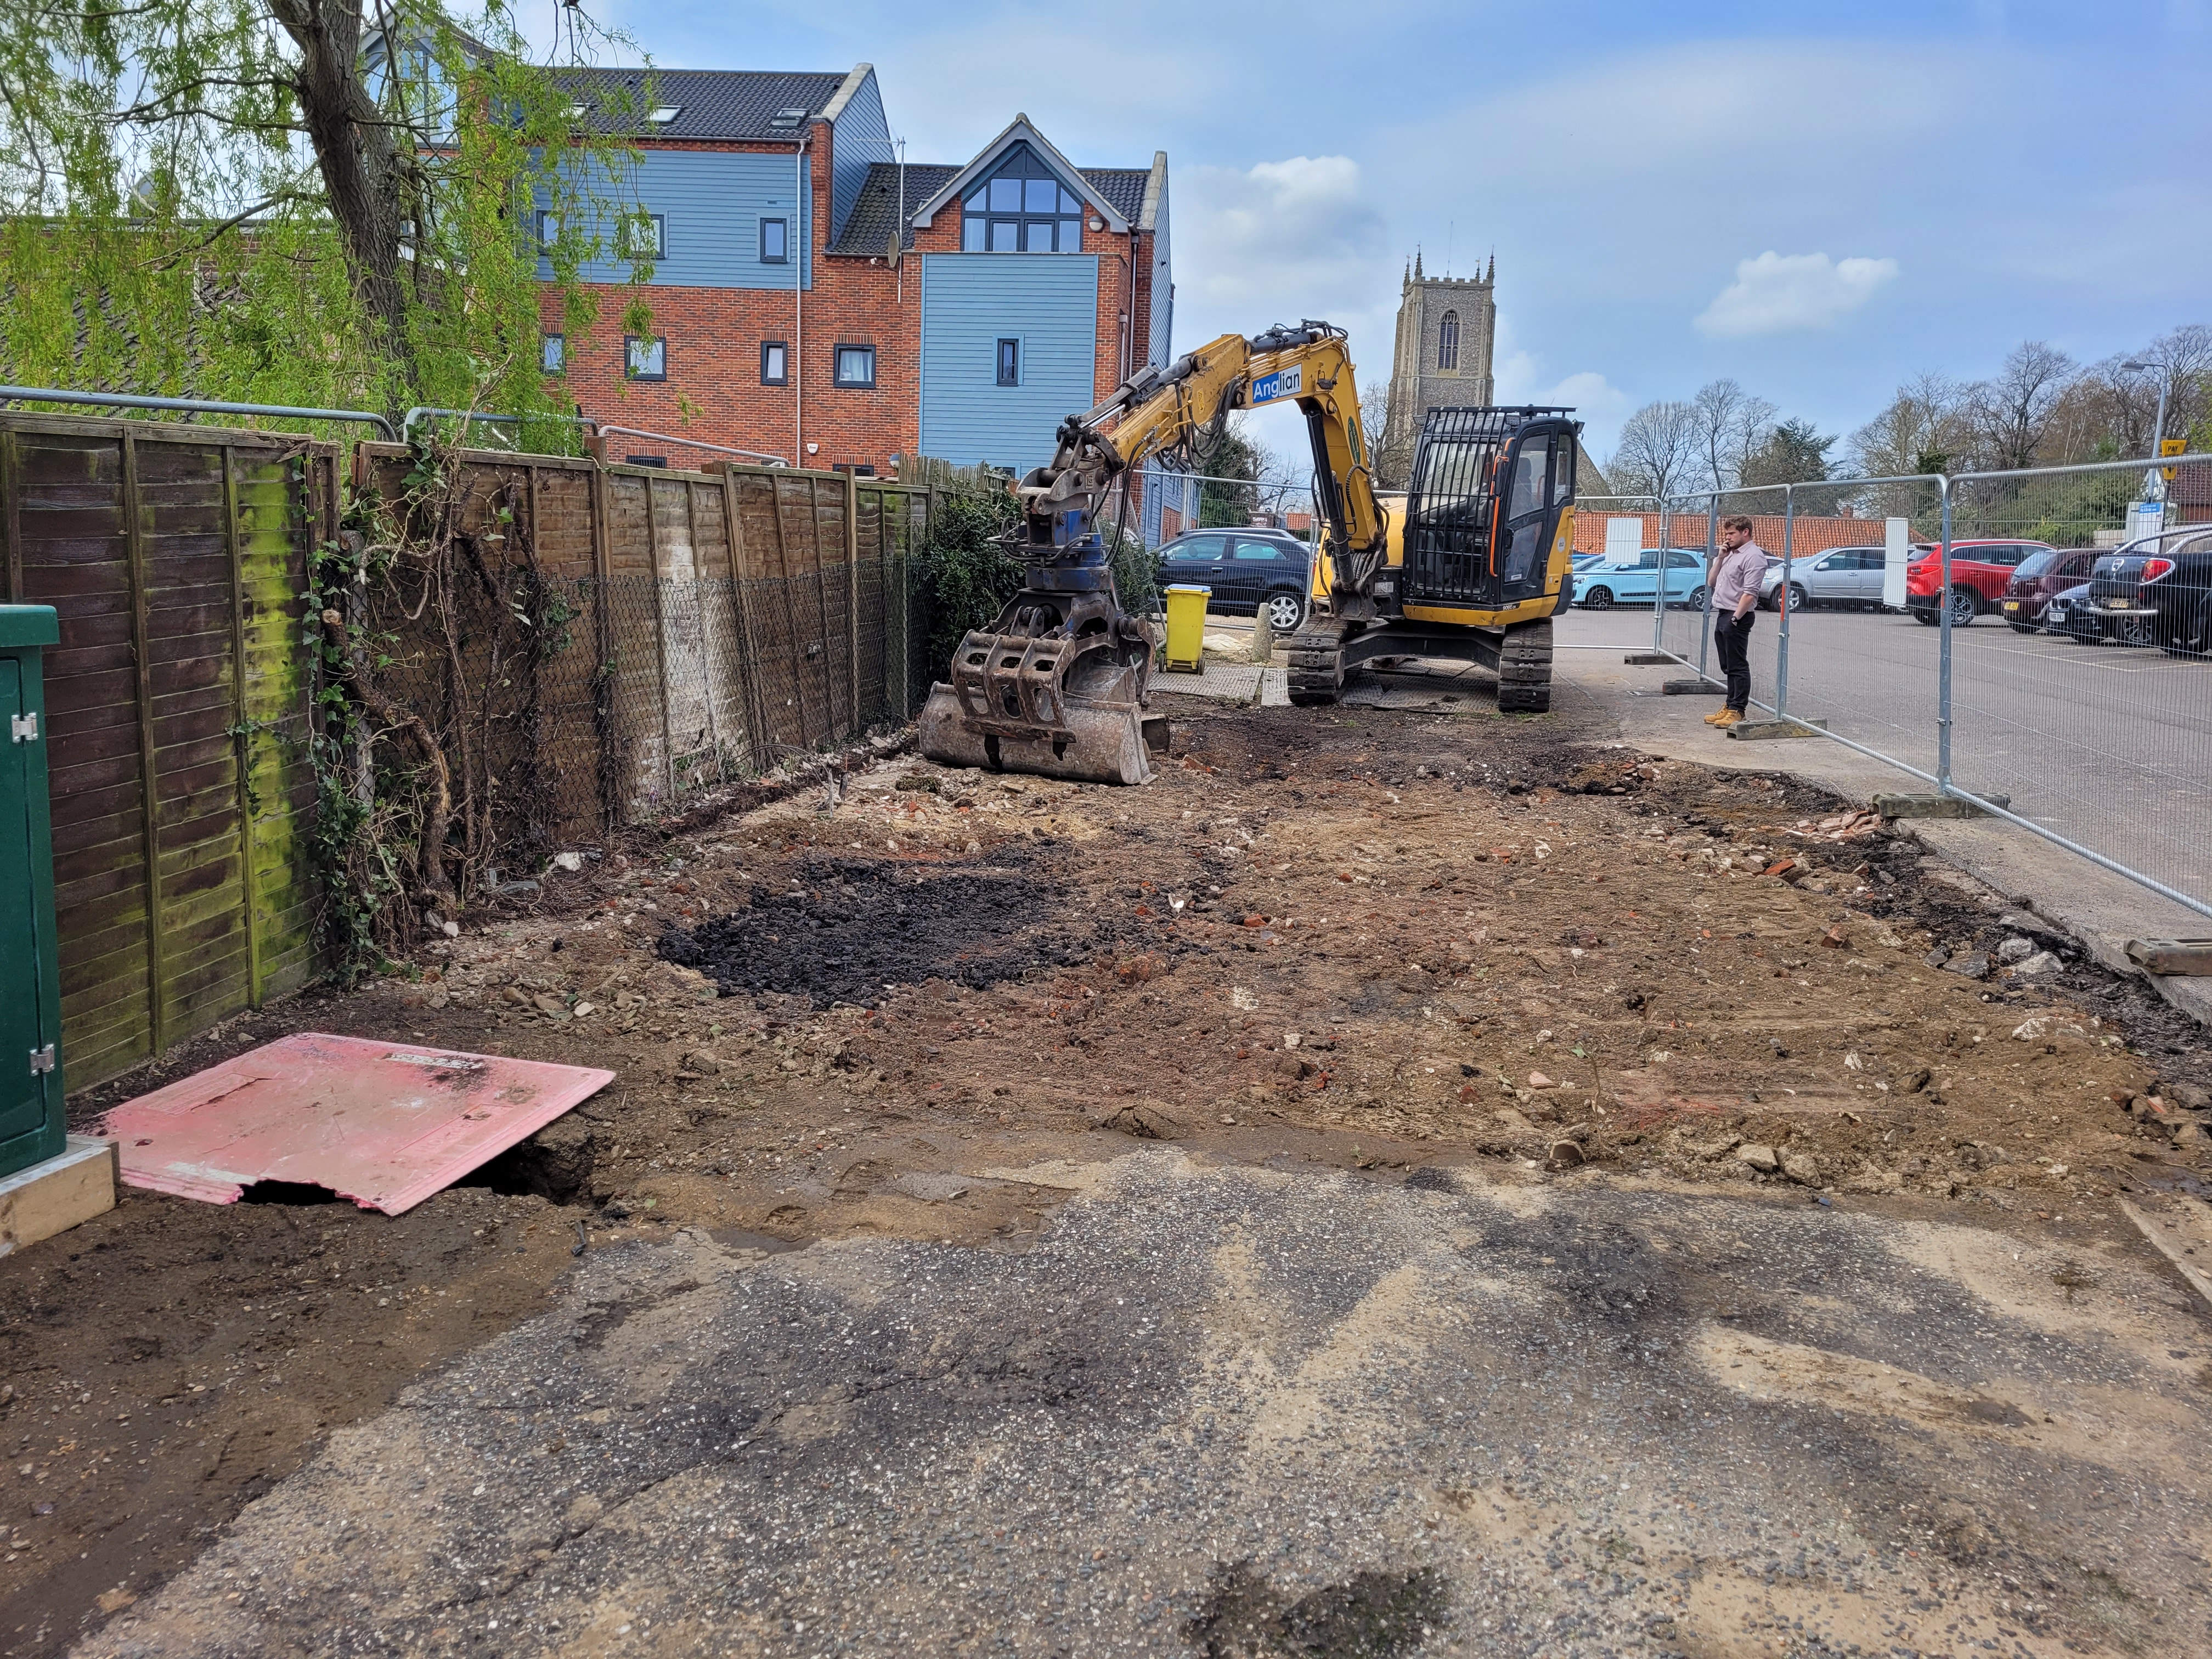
column 2110, row 745
column 1245, row 1411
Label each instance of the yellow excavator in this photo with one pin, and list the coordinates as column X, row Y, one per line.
column 1058, row 684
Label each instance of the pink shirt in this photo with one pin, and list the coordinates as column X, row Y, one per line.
column 1740, row 574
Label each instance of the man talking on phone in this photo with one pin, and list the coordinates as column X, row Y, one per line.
column 1735, row 602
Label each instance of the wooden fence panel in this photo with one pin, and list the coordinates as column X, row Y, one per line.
column 565, row 732
column 779, row 660
column 696, row 745
column 275, row 708
column 178, row 699
column 722, row 638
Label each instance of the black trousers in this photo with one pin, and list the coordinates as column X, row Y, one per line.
column 1732, row 641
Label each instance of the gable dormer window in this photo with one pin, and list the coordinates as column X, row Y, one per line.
column 1021, row 207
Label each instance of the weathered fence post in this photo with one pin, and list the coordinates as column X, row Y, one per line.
column 853, row 595
column 235, row 548
column 141, row 604
column 611, row 787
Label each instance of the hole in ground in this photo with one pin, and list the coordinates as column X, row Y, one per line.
column 287, row 1192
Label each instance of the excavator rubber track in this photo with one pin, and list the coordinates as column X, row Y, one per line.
column 1314, row 658
column 1524, row 670
column 1319, row 654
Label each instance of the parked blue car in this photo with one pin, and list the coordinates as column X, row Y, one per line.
column 1633, row 579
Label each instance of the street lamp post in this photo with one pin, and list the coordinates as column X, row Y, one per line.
column 2158, row 423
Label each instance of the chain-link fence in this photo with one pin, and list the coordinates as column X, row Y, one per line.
column 2038, row 641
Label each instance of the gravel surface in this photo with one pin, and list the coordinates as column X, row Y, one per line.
column 1252, row 1411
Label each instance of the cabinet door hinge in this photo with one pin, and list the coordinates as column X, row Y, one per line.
column 24, row 728
column 42, row 1059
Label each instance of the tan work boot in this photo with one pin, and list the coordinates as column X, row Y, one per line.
column 1717, row 715
column 1729, row 717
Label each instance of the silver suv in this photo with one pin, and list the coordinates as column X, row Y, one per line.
column 1842, row 575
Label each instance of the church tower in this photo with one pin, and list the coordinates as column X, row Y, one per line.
column 1447, row 335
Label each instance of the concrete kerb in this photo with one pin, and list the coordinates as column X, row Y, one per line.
column 2101, row 912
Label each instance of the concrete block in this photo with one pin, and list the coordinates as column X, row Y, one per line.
column 1689, row 688
column 74, row 1185
column 1760, row 731
column 1934, row 806
column 1647, row 658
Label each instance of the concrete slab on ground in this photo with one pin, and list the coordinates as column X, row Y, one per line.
column 1247, row 1410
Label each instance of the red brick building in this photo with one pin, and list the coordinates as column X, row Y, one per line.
column 815, row 300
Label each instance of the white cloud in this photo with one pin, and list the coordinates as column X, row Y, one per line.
column 1601, row 405
column 1786, row 293
column 1275, row 242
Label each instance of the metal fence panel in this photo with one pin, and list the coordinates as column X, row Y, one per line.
column 2099, row 732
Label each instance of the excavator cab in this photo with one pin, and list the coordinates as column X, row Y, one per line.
column 1483, row 515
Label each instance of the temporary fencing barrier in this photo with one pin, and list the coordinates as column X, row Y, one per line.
column 2096, row 737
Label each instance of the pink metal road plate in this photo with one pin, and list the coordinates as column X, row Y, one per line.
column 384, row 1124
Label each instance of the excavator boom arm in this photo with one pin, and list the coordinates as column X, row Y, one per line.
column 1161, row 411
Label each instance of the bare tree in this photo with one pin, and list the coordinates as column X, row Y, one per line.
column 1659, row 452
column 2011, row 411
column 1923, row 429
column 1730, row 424
column 2181, row 360
column 1375, row 422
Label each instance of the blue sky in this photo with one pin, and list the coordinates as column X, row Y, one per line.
column 1821, row 201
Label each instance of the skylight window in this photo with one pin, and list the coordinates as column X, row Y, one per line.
column 787, row 117
column 664, row 113
column 578, row 111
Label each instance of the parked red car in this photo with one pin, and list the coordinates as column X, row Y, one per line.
column 2040, row 578
column 1979, row 570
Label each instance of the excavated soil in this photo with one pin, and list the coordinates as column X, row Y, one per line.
column 1384, row 942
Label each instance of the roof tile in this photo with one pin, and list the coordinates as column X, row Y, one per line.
column 722, row 104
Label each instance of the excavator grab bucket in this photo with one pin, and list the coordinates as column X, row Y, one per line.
column 1056, row 687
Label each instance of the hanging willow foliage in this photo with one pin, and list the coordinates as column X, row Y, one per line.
column 290, row 201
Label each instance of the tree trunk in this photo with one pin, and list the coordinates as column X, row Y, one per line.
column 370, row 178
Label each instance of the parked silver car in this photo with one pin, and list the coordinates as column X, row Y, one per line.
column 1843, row 575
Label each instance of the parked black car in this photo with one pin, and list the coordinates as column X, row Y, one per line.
column 2176, row 583
column 1245, row 569
column 2067, row 613
column 2157, row 590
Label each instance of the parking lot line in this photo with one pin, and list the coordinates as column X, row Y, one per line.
column 2055, row 656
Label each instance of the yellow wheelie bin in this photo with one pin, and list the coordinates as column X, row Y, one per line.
column 1186, row 646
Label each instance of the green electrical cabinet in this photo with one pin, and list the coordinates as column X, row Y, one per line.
column 31, row 1128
